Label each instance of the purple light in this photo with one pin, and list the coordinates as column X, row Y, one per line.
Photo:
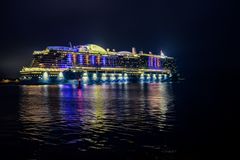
column 155, row 62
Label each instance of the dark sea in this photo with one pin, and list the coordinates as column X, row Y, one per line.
column 114, row 121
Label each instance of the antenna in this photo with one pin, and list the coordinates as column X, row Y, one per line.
column 70, row 44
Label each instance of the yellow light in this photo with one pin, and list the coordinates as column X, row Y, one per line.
column 98, row 59
column 87, row 59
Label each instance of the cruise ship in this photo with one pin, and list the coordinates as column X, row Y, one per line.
column 93, row 64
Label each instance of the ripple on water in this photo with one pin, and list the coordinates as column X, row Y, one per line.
column 98, row 116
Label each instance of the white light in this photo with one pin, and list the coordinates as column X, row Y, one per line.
column 94, row 76
column 120, row 76
column 112, row 77
column 154, row 76
column 60, row 75
column 125, row 76
column 85, row 76
column 45, row 76
column 148, row 76
column 104, row 78
column 85, row 79
column 162, row 54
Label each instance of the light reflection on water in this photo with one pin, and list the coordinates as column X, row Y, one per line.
column 103, row 116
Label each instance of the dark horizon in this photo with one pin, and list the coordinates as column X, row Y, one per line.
column 198, row 34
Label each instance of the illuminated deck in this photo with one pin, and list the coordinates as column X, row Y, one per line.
column 94, row 63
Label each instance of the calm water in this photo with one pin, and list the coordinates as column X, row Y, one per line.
column 116, row 117
column 152, row 119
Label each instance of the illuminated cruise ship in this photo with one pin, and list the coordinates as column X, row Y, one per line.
column 92, row 63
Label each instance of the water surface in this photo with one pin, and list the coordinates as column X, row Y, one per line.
column 109, row 117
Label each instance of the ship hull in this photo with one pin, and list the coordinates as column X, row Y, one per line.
column 70, row 77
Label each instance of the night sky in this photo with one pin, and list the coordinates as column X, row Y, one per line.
column 199, row 34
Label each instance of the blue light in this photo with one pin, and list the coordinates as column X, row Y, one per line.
column 149, row 61
column 69, row 58
column 104, row 60
column 81, row 59
column 93, row 60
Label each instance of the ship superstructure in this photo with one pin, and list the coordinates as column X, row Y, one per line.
column 92, row 63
